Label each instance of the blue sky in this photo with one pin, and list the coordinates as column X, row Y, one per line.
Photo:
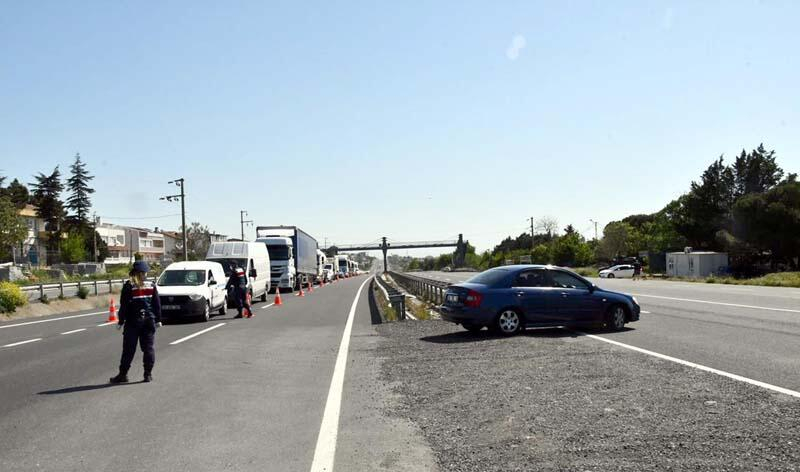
column 414, row 120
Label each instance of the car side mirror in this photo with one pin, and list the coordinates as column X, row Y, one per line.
column 592, row 288
column 253, row 273
column 212, row 282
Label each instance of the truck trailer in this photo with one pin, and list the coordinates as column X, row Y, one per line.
column 293, row 256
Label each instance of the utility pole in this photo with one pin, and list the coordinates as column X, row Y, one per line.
column 182, row 197
column 94, row 236
column 242, row 214
column 595, row 228
column 532, row 243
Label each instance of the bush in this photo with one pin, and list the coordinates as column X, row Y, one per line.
column 11, row 297
column 83, row 292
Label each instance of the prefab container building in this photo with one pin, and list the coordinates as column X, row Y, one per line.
column 696, row 264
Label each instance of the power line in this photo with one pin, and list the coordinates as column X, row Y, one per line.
column 139, row 217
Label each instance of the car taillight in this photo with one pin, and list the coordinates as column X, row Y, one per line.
column 473, row 299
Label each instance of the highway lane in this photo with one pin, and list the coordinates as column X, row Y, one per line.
column 247, row 395
column 746, row 330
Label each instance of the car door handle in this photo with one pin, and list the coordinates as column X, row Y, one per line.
column 564, row 295
column 519, row 294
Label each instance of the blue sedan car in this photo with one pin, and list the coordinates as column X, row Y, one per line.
column 511, row 298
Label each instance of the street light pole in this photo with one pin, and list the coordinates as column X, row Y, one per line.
column 242, row 214
column 595, row 228
column 182, row 196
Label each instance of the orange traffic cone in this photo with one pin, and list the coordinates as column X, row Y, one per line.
column 300, row 293
column 278, row 300
column 112, row 312
column 310, row 287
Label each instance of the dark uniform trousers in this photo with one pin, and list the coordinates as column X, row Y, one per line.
column 142, row 331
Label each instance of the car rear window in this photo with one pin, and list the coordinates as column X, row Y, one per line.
column 490, row 277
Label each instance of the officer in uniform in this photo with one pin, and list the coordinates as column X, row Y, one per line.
column 238, row 282
column 140, row 314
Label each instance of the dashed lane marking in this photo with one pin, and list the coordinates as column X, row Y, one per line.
column 22, row 342
column 74, row 331
column 729, row 375
column 787, row 310
column 51, row 319
column 186, row 338
column 266, row 306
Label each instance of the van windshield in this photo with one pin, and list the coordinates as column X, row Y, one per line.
column 226, row 264
column 279, row 253
column 172, row 278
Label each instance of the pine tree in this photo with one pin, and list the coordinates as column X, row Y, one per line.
column 17, row 193
column 46, row 196
column 79, row 191
column 755, row 172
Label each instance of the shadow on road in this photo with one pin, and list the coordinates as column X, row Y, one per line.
column 84, row 388
column 486, row 335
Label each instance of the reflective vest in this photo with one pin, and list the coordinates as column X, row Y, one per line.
column 242, row 277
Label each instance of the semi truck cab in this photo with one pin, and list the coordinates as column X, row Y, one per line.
column 282, row 266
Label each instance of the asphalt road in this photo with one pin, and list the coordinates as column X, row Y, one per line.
column 245, row 395
column 744, row 330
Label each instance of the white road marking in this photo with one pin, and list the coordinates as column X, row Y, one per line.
column 266, row 306
column 408, row 314
column 195, row 334
column 107, row 323
column 22, row 342
column 325, row 451
column 645, row 312
column 74, row 331
column 51, row 319
column 717, row 303
column 729, row 375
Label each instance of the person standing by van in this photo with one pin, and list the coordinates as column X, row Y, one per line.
column 140, row 315
column 238, row 282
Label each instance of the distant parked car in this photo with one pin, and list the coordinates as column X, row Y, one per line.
column 622, row 271
column 446, row 269
column 511, row 298
column 192, row 289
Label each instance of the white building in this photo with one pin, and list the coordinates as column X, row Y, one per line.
column 33, row 249
column 125, row 241
column 696, row 264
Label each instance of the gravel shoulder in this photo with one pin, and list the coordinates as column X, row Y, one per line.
column 555, row 400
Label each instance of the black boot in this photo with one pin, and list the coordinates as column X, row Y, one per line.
column 122, row 377
column 238, row 315
column 148, row 377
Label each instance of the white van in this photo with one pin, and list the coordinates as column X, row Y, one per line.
column 192, row 289
column 252, row 257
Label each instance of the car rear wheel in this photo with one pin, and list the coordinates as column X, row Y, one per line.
column 206, row 313
column 615, row 319
column 472, row 328
column 224, row 307
column 508, row 322
column 610, row 276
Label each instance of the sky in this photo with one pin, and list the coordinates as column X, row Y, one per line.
column 411, row 120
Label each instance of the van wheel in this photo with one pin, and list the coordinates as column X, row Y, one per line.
column 264, row 295
column 207, row 313
column 223, row 309
column 610, row 276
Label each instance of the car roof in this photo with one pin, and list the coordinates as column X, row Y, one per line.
column 193, row 265
column 529, row 266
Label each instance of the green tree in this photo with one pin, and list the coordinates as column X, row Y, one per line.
column 541, row 254
column 571, row 250
column 615, row 240
column 705, row 210
column 198, row 239
column 16, row 193
column 755, row 172
column 72, row 249
column 12, row 229
column 47, row 198
column 79, row 202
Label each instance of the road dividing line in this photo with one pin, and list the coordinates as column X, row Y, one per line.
column 52, row 319
column 195, row 334
column 644, row 312
column 74, row 331
column 729, row 375
column 266, row 306
column 107, row 323
column 788, row 310
column 325, row 452
column 22, row 342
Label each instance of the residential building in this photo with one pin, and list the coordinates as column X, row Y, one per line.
column 125, row 241
column 33, row 249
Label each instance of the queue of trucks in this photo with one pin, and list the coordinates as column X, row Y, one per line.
column 282, row 258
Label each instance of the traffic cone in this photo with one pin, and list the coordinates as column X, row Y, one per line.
column 278, row 300
column 300, row 293
column 112, row 312
column 310, row 287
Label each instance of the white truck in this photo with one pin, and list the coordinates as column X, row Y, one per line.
column 292, row 253
column 343, row 265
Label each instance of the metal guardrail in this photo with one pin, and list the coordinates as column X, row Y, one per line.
column 396, row 298
column 427, row 289
column 94, row 286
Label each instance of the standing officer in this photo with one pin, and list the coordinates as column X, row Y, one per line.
column 140, row 314
column 238, row 281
